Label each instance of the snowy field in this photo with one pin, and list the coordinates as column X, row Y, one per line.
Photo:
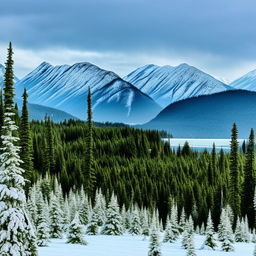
column 201, row 144
column 129, row 245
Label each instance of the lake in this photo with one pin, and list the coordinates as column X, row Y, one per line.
column 202, row 144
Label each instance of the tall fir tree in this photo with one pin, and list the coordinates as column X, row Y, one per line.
column 26, row 141
column 89, row 159
column 16, row 232
column 1, row 116
column 249, row 182
column 235, row 198
column 50, row 153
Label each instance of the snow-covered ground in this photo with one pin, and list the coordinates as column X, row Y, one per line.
column 128, row 245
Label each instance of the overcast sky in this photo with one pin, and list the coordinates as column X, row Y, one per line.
column 217, row 36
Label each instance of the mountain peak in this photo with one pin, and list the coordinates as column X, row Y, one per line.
column 65, row 87
column 246, row 82
column 169, row 84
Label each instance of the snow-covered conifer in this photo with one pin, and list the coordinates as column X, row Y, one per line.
column 226, row 234
column 154, row 247
column 92, row 227
column 190, row 245
column 238, row 231
column 169, row 236
column 43, row 234
column 56, row 221
column 75, row 232
column 113, row 225
column 135, row 225
column 16, row 232
column 210, row 240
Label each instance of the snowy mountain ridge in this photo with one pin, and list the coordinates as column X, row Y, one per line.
column 246, row 82
column 168, row 84
column 65, row 87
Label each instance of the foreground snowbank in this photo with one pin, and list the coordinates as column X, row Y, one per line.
column 128, row 245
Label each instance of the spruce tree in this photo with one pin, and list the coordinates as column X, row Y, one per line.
column 26, row 141
column 16, row 232
column 56, row 221
column 190, row 246
column 249, row 182
column 90, row 178
column 113, row 225
column 135, row 225
column 50, row 152
column 154, row 247
column 92, row 227
column 210, row 240
column 75, row 232
column 235, row 198
column 1, row 116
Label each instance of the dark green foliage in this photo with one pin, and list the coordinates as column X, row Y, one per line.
column 8, row 81
column 89, row 158
column 26, row 142
column 249, row 182
column 235, row 198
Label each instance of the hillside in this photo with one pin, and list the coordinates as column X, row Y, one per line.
column 208, row 116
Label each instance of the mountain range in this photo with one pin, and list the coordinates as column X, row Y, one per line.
column 246, row 82
column 65, row 87
column 169, row 84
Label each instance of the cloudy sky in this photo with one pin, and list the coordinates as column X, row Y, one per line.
column 217, row 36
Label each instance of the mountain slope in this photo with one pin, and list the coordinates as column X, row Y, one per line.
column 2, row 71
column 38, row 112
column 65, row 87
column 168, row 84
column 246, row 82
column 209, row 116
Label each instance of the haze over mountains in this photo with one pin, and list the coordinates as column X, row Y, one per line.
column 169, row 84
column 65, row 87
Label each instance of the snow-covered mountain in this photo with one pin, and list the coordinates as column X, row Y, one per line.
column 168, row 84
column 2, row 71
column 246, row 82
column 65, row 87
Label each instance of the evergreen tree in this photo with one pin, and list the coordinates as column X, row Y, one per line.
column 89, row 159
column 227, row 234
column 75, row 232
column 210, row 240
column 135, row 225
column 249, row 182
column 93, row 228
column 235, row 198
column 1, row 116
column 56, row 227
column 26, row 142
column 16, row 232
column 50, row 152
column 113, row 225
column 169, row 235
column 154, row 248
column 43, row 232
column 238, row 231
column 190, row 246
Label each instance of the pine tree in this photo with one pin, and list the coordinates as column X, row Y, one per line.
column 190, row 246
column 89, row 159
column 113, row 225
column 1, row 116
column 169, row 236
column 235, row 198
column 227, row 234
column 56, row 223
column 210, row 240
column 75, row 232
column 26, row 142
column 238, row 231
column 92, row 227
column 249, row 182
column 16, row 232
column 154, row 248
column 50, row 152
column 135, row 225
